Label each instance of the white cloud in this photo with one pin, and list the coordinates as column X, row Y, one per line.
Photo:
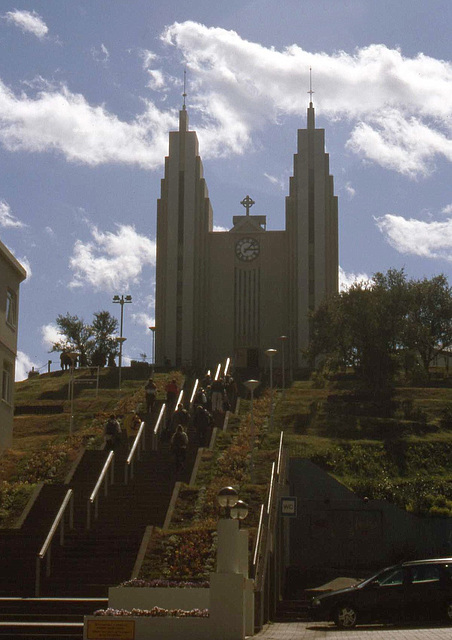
column 217, row 227
column 143, row 319
column 347, row 279
column 111, row 261
column 28, row 21
column 351, row 192
column 6, row 217
column 24, row 364
column 276, row 181
column 417, row 237
column 447, row 209
column 156, row 79
column 24, row 261
column 101, row 55
column 49, row 335
column 58, row 120
column 401, row 107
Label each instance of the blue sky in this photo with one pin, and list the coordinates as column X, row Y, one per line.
column 90, row 89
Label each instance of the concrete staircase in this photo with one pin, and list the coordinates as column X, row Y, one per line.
column 90, row 560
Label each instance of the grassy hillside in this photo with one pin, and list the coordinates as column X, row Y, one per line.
column 399, row 450
column 43, row 450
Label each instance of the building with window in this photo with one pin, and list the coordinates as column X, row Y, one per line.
column 11, row 275
column 235, row 293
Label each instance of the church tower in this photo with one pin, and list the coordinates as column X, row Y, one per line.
column 312, row 228
column 184, row 216
column 234, row 293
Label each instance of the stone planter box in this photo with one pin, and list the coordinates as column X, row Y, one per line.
column 141, row 628
column 166, row 597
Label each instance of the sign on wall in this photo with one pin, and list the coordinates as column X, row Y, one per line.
column 289, row 507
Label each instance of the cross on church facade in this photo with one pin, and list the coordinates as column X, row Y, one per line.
column 247, row 203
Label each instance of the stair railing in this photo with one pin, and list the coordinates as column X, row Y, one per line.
column 158, row 427
column 265, row 538
column 103, row 478
column 193, row 393
column 46, row 548
column 137, row 447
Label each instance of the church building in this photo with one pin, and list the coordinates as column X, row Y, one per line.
column 234, row 293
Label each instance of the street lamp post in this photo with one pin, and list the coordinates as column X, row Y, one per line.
column 153, row 347
column 122, row 301
column 251, row 385
column 283, row 340
column 73, row 356
column 271, row 353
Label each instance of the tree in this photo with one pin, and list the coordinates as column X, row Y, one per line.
column 105, row 345
column 94, row 343
column 75, row 336
column 428, row 329
column 375, row 325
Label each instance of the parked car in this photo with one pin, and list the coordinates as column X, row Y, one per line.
column 420, row 589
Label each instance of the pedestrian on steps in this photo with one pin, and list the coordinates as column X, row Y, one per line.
column 112, row 433
column 178, row 446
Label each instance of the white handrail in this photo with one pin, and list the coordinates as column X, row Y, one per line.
column 138, row 444
column 271, row 489
column 258, row 535
column 280, row 452
column 193, row 393
column 46, row 548
column 94, row 497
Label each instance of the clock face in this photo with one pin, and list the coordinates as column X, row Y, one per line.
column 247, row 249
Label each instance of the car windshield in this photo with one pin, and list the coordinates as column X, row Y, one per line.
column 392, row 575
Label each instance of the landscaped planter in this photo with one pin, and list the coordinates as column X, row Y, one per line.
column 142, row 628
column 166, row 597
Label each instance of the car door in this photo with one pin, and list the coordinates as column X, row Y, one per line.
column 424, row 599
column 384, row 597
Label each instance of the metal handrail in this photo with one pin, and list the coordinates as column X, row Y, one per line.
column 46, row 547
column 193, row 393
column 94, row 497
column 258, row 535
column 271, row 489
column 280, row 453
column 266, row 521
column 157, row 428
column 138, row 445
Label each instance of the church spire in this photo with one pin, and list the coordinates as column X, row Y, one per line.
column 183, row 115
column 311, row 112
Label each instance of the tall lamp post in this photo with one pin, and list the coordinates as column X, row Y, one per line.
column 122, row 301
column 251, row 385
column 283, row 340
column 73, row 356
column 271, row 353
column 153, row 348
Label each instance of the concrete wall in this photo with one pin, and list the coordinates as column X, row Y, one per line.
column 335, row 528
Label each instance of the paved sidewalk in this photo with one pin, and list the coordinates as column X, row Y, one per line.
column 322, row 630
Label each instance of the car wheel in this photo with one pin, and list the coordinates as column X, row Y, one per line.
column 345, row 616
column 449, row 611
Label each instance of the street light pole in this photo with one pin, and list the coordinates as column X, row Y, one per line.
column 283, row 340
column 270, row 353
column 251, row 385
column 122, row 301
column 153, row 348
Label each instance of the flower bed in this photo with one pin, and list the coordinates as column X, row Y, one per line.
column 154, row 612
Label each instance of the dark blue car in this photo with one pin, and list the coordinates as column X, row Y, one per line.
column 416, row 590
